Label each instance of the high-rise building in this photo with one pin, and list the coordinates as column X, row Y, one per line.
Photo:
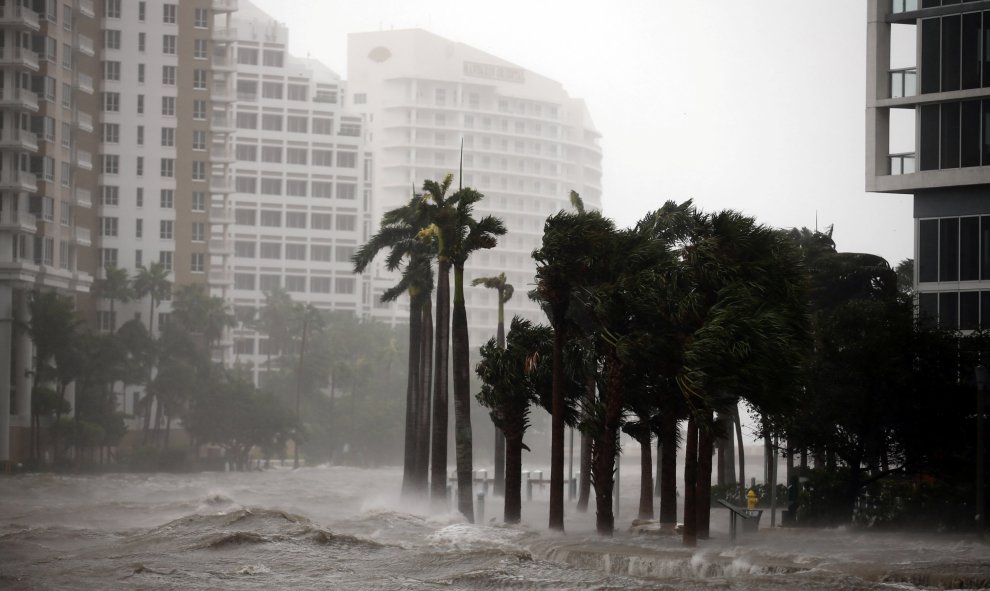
column 526, row 145
column 46, row 177
column 301, row 183
column 928, row 135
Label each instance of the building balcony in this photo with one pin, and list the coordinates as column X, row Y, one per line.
column 221, row 277
column 19, row 57
column 19, row 17
column 84, row 83
column 223, row 93
column 222, row 154
column 81, row 236
column 85, row 45
column 902, row 163
column 225, row 5
column 84, row 160
column 221, row 246
column 86, row 8
column 903, row 82
column 18, row 139
column 223, row 63
column 19, row 98
column 82, row 121
column 16, row 180
column 221, row 184
column 221, row 216
column 225, row 34
column 83, row 198
column 223, row 123
column 18, row 221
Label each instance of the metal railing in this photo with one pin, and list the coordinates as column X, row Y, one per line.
column 19, row 56
column 19, row 180
column 20, row 97
column 18, row 220
column 903, row 163
column 86, row 45
column 86, row 7
column 83, row 198
column 225, row 5
column 83, row 121
column 19, row 138
column 903, row 82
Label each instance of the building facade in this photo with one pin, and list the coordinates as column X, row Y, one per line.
column 526, row 145
column 940, row 103
column 301, row 184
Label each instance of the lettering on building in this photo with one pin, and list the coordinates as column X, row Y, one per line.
column 493, row 72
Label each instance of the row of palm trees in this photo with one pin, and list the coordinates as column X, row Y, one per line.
column 435, row 226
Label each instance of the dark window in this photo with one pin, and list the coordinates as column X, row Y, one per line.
column 928, row 251
column 985, row 308
column 970, row 131
column 951, row 33
column 928, row 308
column 969, row 249
column 948, row 310
column 950, row 135
column 986, row 132
column 929, row 136
column 930, row 44
column 948, row 249
column 971, row 57
column 969, row 310
column 985, row 248
column 930, row 3
column 986, row 48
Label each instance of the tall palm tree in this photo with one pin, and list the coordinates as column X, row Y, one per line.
column 202, row 314
column 469, row 235
column 115, row 286
column 567, row 259
column 504, row 291
column 400, row 234
column 273, row 320
column 152, row 281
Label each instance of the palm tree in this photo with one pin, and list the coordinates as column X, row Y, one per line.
column 273, row 320
column 567, row 259
column 202, row 314
column 504, row 292
column 115, row 286
column 469, row 236
column 152, row 281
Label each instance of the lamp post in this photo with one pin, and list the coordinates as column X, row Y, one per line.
column 982, row 375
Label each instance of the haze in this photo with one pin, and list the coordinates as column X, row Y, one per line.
column 755, row 106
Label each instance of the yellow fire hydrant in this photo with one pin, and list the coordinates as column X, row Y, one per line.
column 751, row 499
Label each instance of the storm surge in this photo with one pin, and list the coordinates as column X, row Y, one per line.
column 342, row 528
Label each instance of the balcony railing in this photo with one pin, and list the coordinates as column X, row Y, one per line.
column 18, row 16
column 84, row 83
column 225, row 34
column 225, row 5
column 19, row 139
column 85, row 45
column 221, row 216
column 221, row 246
column 221, row 153
column 81, row 236
column 19, row 98
column 221, row 184
column 18, row 56
column 223, row 122
column 221, row 277
column 83, row 121
column 86, row 7
column 18, row 220
column 83, row 198
column 902, row 163
column 222, row 92
column 84, row 160
column 223, row 62
column 903, row 82
column 904, row 6
column 17, row 180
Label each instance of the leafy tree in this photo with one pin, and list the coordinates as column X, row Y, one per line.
column 115, row 286
column 152, row 282
column 504, row 291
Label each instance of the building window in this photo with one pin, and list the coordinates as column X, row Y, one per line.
column 199, row 110
column 271, row 154
column 140, row 74
column 108, row 226
column 322, row 157
column 197, row 263
column 270, row 250
column 320, row 253
column 108, row 257
column 247, row 120
column 110, row 195
column 244, row 281
column 201, row 18
column 167, row 199
column 321, row 221
column 346, row 222
column 111, row 39
column 346, row 191
column 322, row 126
column 139, row 166
column 272, row 58
column 198, row 201
column 298, row 92
column 140, row 104
column 168, row 75
column 198, row 170
column 111, row 102
column 323, row 189
column 139, row 197
column 139, row 228
column 295, row 252
column 297, row 124
column 319, row 284
column 344, row 285
column 110, row 133
column 295, row 188
column 168, row 44
column 246, row 184
column 165, row 228
column 199, row 139
column 244, row 249
column 247, row 56
column 142, row 6
column 199, row 48
column 246, row 152
column 295, row 155
column 295, row 219
column 199, row 79
column 168, row 137
column 271, row 90
column 344, row 253
column 271, row 186
column 271, row 122
column 168, row 106
column 269, row 282
column 111, row 164
column 111, row 8
column 295, row 283
column 168, row 14
column 165, row 258
column 271, row 219
column 142, row 42
column 347, row 159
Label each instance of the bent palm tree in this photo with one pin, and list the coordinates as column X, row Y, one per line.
column 114, row 287
column 504, row 292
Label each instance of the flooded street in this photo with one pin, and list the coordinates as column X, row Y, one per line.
column 338, row 528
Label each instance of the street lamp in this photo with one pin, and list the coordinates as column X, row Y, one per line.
column 982, row 375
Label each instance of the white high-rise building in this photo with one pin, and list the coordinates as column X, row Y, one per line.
column 301, row 182
column 527, row 144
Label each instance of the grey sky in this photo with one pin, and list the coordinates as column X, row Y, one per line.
column 756, row 106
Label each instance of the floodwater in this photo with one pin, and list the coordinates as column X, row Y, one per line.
column 340, row 528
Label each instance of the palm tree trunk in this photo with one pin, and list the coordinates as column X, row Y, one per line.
column 438, row 461
column 668, row 468
column 168, row 429
column 690, row 538
column 584, row 486
column 412, row 396
column 557, row 423
column 426, row 381
column 499, row 484
column 513, row 478
column 606, row 449
column 646, row 477
column 113, row 318
column 462, row 398
column 741, row 451
column 703, row 494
